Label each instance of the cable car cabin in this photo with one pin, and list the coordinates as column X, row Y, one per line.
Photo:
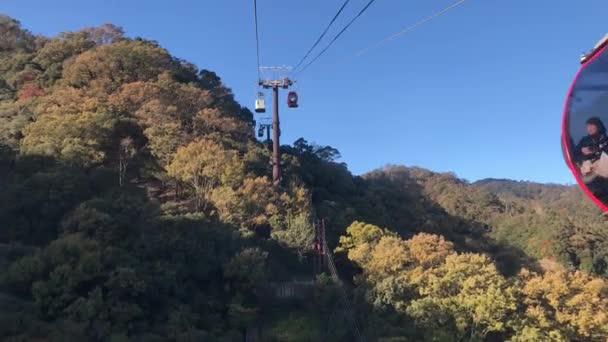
column 584, row 136
column 292, row 99
column 260, row 104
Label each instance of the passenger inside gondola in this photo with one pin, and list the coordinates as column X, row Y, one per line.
column 592, row 157
column 595, row 142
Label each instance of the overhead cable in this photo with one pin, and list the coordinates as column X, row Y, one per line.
column 412, row 27
column 338, row 35
column 322, row 34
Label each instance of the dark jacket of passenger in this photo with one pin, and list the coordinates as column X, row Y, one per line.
column 597, row 144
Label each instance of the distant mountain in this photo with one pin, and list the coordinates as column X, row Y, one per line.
column 524, row 189
column 547, row 221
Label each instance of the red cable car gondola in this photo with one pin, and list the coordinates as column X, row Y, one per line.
column 584, row 135
column 292, row 99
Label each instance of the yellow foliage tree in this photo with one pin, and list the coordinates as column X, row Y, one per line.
column 165, row 109
column 360, row 240
column 214, row 120
column 162, row 98
column 252, row 203
column 567, row 305
column 450, row 296
column 201, row 164
column 467, row 290
column 70, row 101
column 429, row 250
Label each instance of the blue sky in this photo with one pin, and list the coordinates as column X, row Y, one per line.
column 479, row 91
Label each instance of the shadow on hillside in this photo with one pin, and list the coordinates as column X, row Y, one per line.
column 399, row 202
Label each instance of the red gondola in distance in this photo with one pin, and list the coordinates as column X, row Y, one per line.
column 292, row 99
column 584, row 136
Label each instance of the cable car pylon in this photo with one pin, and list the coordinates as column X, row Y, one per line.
column 275, row 85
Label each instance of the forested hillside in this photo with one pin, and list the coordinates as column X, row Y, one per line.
column 552, row 221
column 136, row 205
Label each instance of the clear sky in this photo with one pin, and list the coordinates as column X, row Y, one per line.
column 479, row 91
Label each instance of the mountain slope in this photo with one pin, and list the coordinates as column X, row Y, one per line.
column 136, row 204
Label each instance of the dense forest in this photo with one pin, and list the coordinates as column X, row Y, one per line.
column 136, row 205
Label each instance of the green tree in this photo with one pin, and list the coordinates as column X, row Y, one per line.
column 13, row 37
column 78, row 139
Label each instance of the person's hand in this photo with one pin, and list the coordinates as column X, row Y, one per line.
column 586, row 151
